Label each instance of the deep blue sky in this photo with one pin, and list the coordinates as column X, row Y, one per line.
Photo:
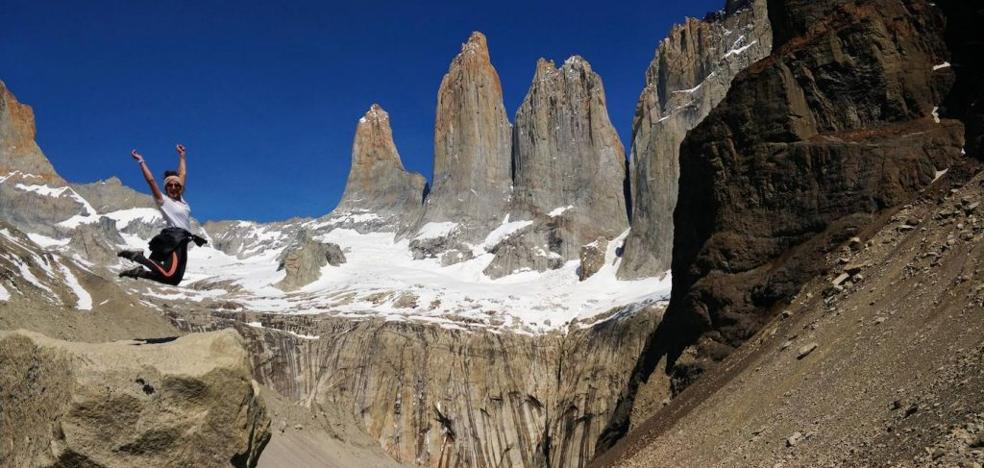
column 266, row 95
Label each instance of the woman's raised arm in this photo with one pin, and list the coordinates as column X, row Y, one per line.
column 182, row 170
column 156, row 192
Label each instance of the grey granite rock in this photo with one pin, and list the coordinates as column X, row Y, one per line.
column 188, row 402
column 690, row 74
column 472, row 144
column 592, row 258
column 303, row 260
column 380, row 193
column 569, row 163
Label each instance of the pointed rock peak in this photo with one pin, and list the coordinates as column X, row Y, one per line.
column 544, row 68
column 18, row 150
column 17, row 119
column 374, row 114
column 476, row 46
column 476, row 42
column 576, row 62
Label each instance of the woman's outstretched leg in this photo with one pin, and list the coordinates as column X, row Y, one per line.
column 168, row 270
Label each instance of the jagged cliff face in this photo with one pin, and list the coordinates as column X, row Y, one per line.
column 808, row 146
column 472, row 143
column 690, row 74
column 32, row 194
column 446, row 397
column 568, row 170
column 378, row 186
column 18, row 150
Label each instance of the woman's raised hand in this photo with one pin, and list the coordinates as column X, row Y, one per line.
column 136, row 156
column 181, row 149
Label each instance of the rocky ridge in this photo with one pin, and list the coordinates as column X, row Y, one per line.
column 689, row 76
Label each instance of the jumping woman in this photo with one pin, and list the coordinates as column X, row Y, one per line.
column 169, row 249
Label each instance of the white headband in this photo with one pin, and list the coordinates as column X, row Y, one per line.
column 173, row 178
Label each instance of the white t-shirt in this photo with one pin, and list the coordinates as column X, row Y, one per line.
column 176, row 213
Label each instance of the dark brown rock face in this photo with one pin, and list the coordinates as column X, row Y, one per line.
column 965, row 38
column 568, row 158
column 472, row 144
column 690, row 74
column 379, row 190
column 809, row 145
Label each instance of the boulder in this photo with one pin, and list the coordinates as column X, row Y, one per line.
column 187, row 402
column 303, row 260
column 592, row 258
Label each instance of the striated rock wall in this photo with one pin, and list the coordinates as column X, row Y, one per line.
column 378, row 184
column 567, row 162
column 690, row 74
column 472, row 144
column 190, row 402
column 448, row 397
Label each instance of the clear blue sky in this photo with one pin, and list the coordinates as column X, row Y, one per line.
column 266, row 95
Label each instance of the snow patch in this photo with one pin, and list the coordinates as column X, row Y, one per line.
column 503, row 231
column 435, row 230
column 4, row 295
column 123, row 218
column 47, row 242
column 739, row 50
column 559, row 211
column 84, row 301
column 941, row 66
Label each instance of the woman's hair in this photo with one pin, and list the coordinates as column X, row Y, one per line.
column 170, row 173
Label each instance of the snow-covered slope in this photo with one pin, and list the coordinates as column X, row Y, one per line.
column 381, row 277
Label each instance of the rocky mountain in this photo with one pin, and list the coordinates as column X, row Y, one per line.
column 378, row 189
column 32, row 194
column 810, row 147
column 689, row 76
column 568, row 171
column 514, row 315
column 111, row 195
column 472, row 148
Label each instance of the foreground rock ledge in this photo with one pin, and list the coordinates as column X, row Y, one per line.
column 189, row 402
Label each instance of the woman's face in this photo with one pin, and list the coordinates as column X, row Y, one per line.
column 173, row 190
